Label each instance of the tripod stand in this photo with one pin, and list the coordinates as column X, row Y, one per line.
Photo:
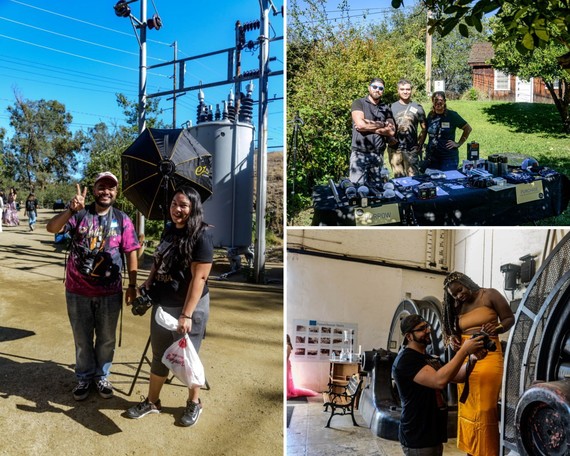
column 297, row 123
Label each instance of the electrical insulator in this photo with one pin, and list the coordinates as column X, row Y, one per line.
column 225, row 110
column 253, row 25
column 210, row 113
column 218, row 115
column 202, row 110
column 246, row 108
column 231, row 107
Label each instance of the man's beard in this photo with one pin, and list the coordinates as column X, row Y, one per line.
column 104, row 204
column 425, row 340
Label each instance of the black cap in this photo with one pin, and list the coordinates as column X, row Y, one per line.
column 410, row 322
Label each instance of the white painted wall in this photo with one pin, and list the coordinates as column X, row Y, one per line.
column 343, row 291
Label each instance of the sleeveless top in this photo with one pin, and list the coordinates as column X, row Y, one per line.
column 476, row 318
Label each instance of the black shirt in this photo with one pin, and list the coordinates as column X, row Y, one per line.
column 424, row 412
column 370, row 142
column 173, row 277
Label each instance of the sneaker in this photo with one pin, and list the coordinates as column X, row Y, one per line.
column 143, row 408
column 191, row 413
column 81, row 391
column 104, row 388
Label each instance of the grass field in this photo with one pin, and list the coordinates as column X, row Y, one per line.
column 517, row 129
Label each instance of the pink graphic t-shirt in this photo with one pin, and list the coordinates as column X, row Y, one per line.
column 95, row 262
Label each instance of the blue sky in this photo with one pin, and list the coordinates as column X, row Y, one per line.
column 361, row 11
column 81, row 54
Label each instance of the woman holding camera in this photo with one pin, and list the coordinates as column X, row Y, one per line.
column 178, row 283
column 469, row 309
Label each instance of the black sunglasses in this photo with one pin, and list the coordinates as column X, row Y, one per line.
column 422, row 328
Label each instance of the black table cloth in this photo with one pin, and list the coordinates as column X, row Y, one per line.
column 495, row 206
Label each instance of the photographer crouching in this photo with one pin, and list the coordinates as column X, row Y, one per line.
column 100, row 235
column 421, row 378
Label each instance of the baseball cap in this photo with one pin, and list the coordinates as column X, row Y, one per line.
column 107, row 176
column 410, row 322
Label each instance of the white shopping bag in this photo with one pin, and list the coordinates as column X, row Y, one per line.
column 181, row 357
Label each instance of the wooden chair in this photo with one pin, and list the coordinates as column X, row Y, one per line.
column 342, row 401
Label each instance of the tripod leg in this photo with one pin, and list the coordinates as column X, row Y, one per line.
column 143, row 358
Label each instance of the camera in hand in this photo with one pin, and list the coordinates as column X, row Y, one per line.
column 488, row 344
column 141, row 303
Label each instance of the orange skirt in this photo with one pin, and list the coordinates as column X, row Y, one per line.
column 478, row 420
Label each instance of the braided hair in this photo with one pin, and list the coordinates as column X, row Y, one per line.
column 450, row 315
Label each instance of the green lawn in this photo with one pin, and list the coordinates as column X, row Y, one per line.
column 517, row 129
column 521, row 128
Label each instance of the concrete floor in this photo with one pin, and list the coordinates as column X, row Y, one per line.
column 308, row 436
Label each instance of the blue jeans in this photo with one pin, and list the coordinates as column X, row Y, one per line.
column 94, row 324
column 444, row 164
column 31, row 217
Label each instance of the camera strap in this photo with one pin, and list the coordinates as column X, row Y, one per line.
column 105, row 223
column 468, row 369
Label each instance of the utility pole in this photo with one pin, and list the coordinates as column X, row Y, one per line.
column 428, row 55
column 175, row 44
column 142, row 95
column 261, row 196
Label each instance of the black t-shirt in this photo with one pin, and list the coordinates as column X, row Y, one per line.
column 424, row 411
column 370, row 142
column 172, row 279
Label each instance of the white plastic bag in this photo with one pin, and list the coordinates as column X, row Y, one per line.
column 181, row 357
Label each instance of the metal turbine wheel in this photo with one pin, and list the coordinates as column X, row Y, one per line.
column 535, row 416
column 430, row 309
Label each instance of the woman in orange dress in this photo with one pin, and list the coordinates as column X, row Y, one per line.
column 469, row 309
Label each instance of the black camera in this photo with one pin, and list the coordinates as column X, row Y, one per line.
column 87, row 262
column 141, row 303
column 488, row 344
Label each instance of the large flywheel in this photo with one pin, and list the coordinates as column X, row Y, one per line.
column 535, row 418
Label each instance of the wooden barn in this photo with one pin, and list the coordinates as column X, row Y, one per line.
column 497, row 85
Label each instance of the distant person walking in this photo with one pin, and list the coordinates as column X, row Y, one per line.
column 11, row 209
column 32, row 210
column 408, row 115
column 100, row 235
column 1, row 209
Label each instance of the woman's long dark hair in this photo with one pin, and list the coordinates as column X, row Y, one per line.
column 450, row 315
column 195, row 224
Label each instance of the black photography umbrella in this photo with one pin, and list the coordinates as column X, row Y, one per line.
column 158, row 162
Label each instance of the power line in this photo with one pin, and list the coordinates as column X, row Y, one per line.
column 68, row 53
column 75, row 38
column 81, row 21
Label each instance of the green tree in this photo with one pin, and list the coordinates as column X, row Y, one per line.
column 450, row 56
column 529, row 24
column 541, row 62
column 43, row 150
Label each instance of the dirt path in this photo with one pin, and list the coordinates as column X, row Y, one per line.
column 242, row 355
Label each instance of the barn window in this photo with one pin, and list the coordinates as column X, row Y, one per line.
column 502, row 81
